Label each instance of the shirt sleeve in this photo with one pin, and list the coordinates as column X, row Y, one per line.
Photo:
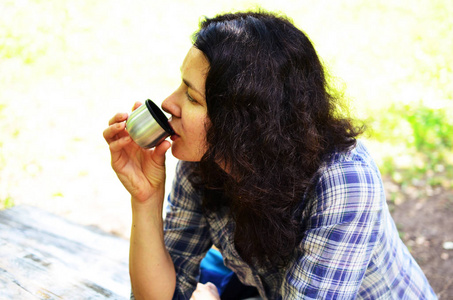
column 186, row 232
column 340, row 235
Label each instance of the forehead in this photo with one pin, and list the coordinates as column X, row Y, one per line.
column 195, row 62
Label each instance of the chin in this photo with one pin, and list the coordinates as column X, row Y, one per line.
column 183, row 155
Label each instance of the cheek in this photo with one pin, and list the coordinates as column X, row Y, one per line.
column 197, row 139
column 193, row 145
column 196, row 127
column 198, row 136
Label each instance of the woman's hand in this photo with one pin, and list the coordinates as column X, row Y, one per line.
column 206, row 291
column 141, row 171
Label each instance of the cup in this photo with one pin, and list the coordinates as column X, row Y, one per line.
column 148, row 126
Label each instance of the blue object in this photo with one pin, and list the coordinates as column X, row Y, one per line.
column 213, row 270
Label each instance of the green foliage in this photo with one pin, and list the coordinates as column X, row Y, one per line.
column 425, row 133
column 7, row 201
column 431, row 129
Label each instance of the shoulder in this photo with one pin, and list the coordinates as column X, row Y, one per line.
column 349, row 180
column 356, row 156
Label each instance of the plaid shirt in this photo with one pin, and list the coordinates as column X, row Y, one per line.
column 350, row 249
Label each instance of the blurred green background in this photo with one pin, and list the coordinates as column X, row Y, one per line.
column 67, row 66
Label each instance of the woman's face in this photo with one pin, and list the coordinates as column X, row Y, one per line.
column 187, row 105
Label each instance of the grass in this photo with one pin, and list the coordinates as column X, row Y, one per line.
column 419, row 143
column 67, row 66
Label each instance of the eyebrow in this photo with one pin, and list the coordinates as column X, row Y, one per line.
column 186, row 82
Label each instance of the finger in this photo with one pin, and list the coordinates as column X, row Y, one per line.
column 197, row 291
column 113, row 131
column 212, row 287
column 118, row 145
column 159, row 153
column 137, row 104
column 119, row 117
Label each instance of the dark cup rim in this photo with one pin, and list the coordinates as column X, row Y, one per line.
column 159, row 116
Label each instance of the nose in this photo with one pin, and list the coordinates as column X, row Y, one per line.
column 170, row 105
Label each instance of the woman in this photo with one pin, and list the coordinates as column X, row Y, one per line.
column 270, row 173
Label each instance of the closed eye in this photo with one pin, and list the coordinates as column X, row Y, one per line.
column 190, row 98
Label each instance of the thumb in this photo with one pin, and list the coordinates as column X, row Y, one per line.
column 159, row 152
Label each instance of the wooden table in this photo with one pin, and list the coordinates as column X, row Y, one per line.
column 43, row 256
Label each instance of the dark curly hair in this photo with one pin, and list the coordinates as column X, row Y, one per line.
column 273, row 120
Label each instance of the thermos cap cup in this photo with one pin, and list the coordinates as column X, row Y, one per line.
column 148, row 126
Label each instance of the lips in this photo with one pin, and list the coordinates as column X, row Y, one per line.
column 173, row 136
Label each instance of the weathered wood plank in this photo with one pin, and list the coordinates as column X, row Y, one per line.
column 43, row 256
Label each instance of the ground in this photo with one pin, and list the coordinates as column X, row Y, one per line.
column 426, row 225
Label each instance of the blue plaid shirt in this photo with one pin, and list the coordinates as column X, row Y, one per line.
column 350, row 250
